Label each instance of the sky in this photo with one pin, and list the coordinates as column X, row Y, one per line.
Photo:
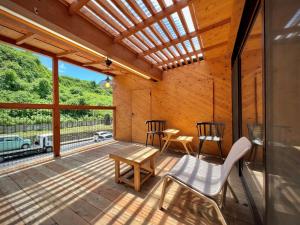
column 70, row 70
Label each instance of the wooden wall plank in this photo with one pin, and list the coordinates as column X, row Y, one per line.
column 184, row 97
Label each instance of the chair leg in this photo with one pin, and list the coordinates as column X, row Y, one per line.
column 233, row 193
column 224, row 195
column 254, row 153
column 147, row 139
column 200, row 148
column 159, row 137
column 220, row 149
column 152, row 139
column 163, row 192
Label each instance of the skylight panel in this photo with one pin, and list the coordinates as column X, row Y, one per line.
column 160, row 31
column 132, row 46
column 162, row 55
column 168, row 3
column 196, row 43
column 101, row 9
column 188, row 46
column 156, row 5
column 178, row 24
column 200, row 55
column 142, row 36
column 167, row 52
column 166, row 22
column 175, row 52
column 143, row 7
column 132, row 10
column 148, row 30
column 120, row 12
column 188, row 19
column 150, row 59
column 93, row 16
column 138, row 42
column 180, row 47
column 155, row 57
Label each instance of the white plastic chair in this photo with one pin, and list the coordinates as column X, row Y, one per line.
column 206, row 179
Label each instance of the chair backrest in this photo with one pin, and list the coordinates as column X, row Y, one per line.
column 210, row 129
column 237, row 151
column 156, row 125
column 255, row 131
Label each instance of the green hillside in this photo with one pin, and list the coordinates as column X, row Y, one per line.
column 23, row 79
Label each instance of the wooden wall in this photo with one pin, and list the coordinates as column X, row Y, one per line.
column 184, row 97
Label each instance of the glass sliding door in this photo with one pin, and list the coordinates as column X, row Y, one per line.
column 252, row 111
column 282, row 24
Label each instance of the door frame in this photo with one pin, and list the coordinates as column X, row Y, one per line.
column 150, row 107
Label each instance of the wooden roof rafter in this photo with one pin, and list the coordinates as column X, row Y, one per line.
column 160, row 30
column 153, row 19
column 77, row 5
column 25, row 38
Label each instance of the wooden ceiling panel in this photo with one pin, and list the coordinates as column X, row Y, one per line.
column 216, row 52
column 212, row 11
column 44, row 46
column 7, row 32
column 209, row 13
column 215, row 36
column 78, row 58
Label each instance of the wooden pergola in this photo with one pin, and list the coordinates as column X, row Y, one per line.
column 145, row 37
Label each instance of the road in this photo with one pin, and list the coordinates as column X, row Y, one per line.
column 35, row 156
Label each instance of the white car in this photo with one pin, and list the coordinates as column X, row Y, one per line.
column 102, row 135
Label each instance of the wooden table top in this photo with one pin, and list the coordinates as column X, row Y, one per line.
column 134, row 154
column 171, row 131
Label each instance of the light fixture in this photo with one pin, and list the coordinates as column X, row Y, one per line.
column 107, row 82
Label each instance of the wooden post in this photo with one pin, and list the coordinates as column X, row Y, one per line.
column 55, row 112
column 114, row 124
column 213, row 100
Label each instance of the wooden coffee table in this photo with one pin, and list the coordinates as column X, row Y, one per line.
column 142, row 162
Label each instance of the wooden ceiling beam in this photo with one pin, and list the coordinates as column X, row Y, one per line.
column 161, row 4
column 125, row 11
column 26, row 37
column 113, row 12
column 155, row 18
column 149, row 6
column 195, row 53
column 93, row 63
column 66, row 53
column 137, row 9
column 59, row 25
column 173, row 25
column 25, row 46
column 188, row 36
column 104, row 17
column 77, row 5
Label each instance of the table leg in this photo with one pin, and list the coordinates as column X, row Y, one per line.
column 165, row 146
column 137, row 178
column 185, row 147
column 117, row 171
column 152, row 166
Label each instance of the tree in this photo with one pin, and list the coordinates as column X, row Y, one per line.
column 107, row 119
column 43, row 88
column 9, row 80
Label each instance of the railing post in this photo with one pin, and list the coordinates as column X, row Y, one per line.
column 56, row 112
column 114, row 124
